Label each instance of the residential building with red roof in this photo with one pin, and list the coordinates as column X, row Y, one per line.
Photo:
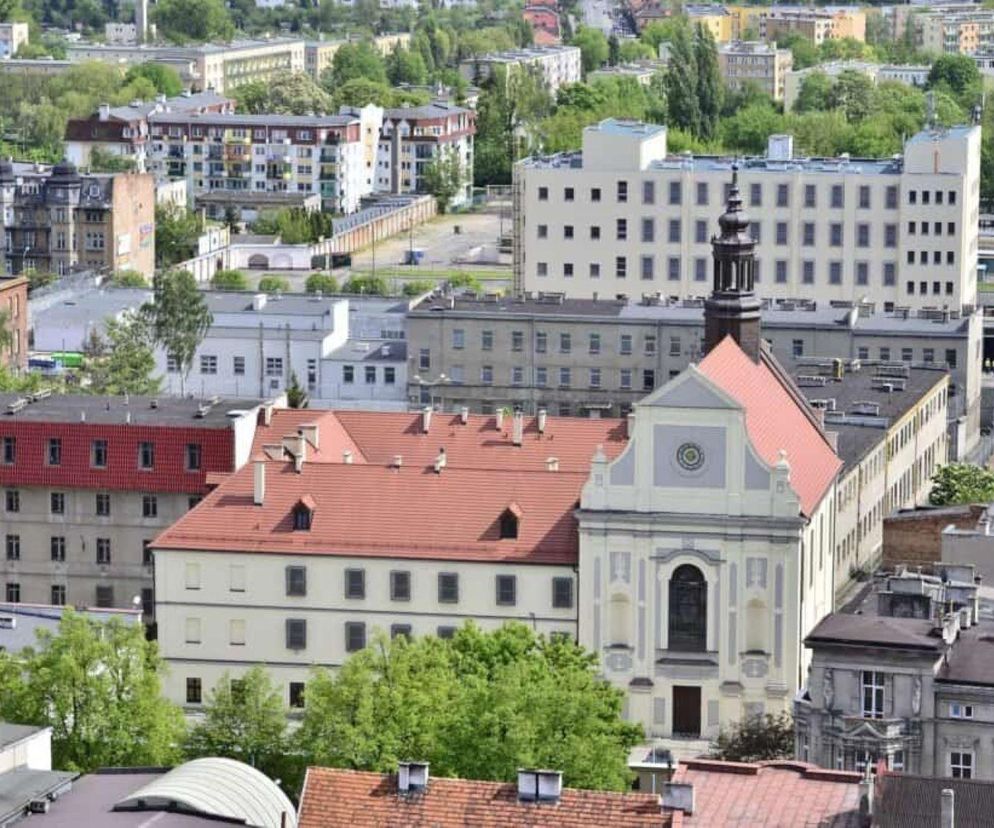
column 348, row 522
column 89, row 480
column 706, row 545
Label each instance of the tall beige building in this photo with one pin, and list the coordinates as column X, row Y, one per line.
column 625, row 217
column 754, row 62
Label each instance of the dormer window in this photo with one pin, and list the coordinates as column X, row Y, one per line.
column 509, row 520
column 303, row 514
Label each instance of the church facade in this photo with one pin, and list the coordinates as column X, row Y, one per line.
column 706, row 546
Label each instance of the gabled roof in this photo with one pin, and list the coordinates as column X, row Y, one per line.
column 777, row 418
column 347, row 797
column 876, row 631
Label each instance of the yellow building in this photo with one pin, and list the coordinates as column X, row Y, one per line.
column 716, row 19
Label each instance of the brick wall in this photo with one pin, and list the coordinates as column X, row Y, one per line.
column 915, row 538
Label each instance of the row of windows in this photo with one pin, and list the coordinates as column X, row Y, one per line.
column 594, row 342
column 57, row 548
column 781, row 195
column 102, row 503
column 209, row 365
column 369, row 374
column 565, row 376
column 100, row 453
column 57, row 595
column 447, row 586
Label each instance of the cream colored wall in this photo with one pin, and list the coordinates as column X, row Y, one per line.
column 264, row 606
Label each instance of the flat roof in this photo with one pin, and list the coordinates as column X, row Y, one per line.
column 371, row 350
column 235, row 119
column 95, row 304
column 21, row 785
column 162, row 411
column 12, row 733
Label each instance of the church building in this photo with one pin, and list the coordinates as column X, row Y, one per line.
column 706, row 546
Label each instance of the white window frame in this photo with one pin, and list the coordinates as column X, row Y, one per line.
column 962, row 764
column 959, row 710
column 873, row 681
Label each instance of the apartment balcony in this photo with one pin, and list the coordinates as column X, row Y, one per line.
column 214, row 153
column 176, row 152
column 176, row 170
column 329, row 156
column 242, row 140
column 328, row 175
column 237, row 153
column 329, row 190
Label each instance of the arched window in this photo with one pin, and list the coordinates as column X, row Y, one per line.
column 508, row 525
column 688, row 627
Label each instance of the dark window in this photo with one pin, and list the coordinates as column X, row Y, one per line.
column 507, row 590
column 55, row 452
column 864, row 197
column 621, row 229
column 755, row 195
column 146, row 455
column 448, row 588
column 301, row 518
column 567, row 231
column 595, row 194
column 147, row 559
column 562, row 593
column 700, row 231
column 445, row 632
column 568, row 194
column 98, row 454
column 150, row 506
column 296, row 634
column 838, row 197
column 649, row 193
column 348, row 374
column 808, row 272
column 688, row 610
column 809, row 195
column 835, row 235
column 808, row 234
column 952, row 196
column 355, row 636
column 890, row 201
column 400, row 586
column 296, row 694
column 355, row 583
column 951, row 357
column 13, row 592
column 296, row 580
column 9, row 450
column 13, row 500
column 58, row 594
column 400, row 631
column 193, row 456
column 13, row 547
column 105, row 596
column 926, row 197
column 57, row 544
column 57, row 503
column 862, row 235
column 622, row 191
column 890, row 274
column 508, row 525
column 648, row 379
column 890, row 235
column 782, row 196
column 543, row 193
column 103, row 504
column 103, row 550
column 676, row 193
column 194, row 690
column 702, row 193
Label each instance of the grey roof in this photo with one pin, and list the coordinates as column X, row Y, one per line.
column 28, row 619
column 971, row 660
column 371, row 350
column 20, row 786
column 12, row 733
column 295, row 304
column 145, row 411
column 436, row 109
column 905, row 801
column 875, row 631
column 179, row 103
column 230, row 119
column 221, row 788
column 91, row 304
column 92, row 797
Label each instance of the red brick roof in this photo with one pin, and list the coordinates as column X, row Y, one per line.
column 334, row 797
column 777, row 417
column 770, row 794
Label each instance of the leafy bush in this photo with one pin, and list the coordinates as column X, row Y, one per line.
column 274, row 284
column 129, row 279
column 321, row 283
column 229, row 280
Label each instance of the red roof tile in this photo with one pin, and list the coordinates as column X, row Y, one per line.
column 769, row 794
column 777, row 418
column 334, row 797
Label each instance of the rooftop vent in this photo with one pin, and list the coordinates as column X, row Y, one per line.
column 539, row 785
column 542, row 418
column 412, row 777
column 440, row 461
column 464, row 414
column 552, row 464
column 17, row 405
column 398, row 461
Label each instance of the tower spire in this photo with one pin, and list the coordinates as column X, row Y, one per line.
column 733, row 309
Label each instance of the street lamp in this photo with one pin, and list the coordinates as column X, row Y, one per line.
column 423, row 383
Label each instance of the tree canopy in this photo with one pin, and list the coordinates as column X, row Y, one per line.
column 293, row 93
column 956, row 483
column 756, row 739
column 194, row 20
column 179, row 316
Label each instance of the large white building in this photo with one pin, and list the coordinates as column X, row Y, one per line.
column 625, row 217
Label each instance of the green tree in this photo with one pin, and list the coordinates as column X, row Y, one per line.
column 179, row 316
column 682, row 103
column 708, row 81
column 956, row 483
column 354, row 60
column 959, row 76
column 293, row 93
column 406, row 66
column 274, row 284
column 756, row 739
column 804, row 52
column 296, row 396
column 443, row 177
column 321, row 283
column 854, row 94
column 165, row 79
column 102, row 160
column 229, row 280
column 464, row 281
column 243, row 719
column 594, row 48
column 477, row 706
column 418, row 287
column 122, row 361
column 814, row 94
column 197, row 20
column 176, row 233
column 128, row 279
column 98, row 686
column 613, row 50
column 369, row 285
column 6, row 334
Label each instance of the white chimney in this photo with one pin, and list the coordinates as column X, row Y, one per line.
column 464, row 414
column 780, row 147
column 267, row 413
column 398, row 461
column 347, row 457
column 127, row 417
column 82, row 416
column 259, row 489
column 500, row 419
column 630, row 426
column 552, row 464
column 412, row 776
column 518, row 428
column 947, row 818
column 104, row 111
column 258, row 301
column 440, row 461
column 542, row 417
column 426, row 419
column 539, row 785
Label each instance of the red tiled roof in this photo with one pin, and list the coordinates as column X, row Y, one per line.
column 776, row 418
column 333, row 797
column 770, row 794
column 378, row 436
column 374, row 510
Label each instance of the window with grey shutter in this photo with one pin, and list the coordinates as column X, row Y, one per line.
column 506, row 590
column 355, row 583
column 400, row 586
column 296, row 580
column 296, row 634
column 562, row 593
column 448, row 588
column 400, row 631
column 355, row 636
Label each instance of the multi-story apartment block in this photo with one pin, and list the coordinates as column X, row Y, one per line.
column 585, row 357
column 56, row 220
column 902, row 677
column 623, row 216
column 12, row 37
column 717, row 19
column 210, row 66
column 413, row 137
column 756, row 63
column 123, row 131
column 293, row 553
column 319, row 55
column 815, row 25
column 89, row 481
column 304, row 154
column 953, row 31
column 14, row 319
column 555, row 65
